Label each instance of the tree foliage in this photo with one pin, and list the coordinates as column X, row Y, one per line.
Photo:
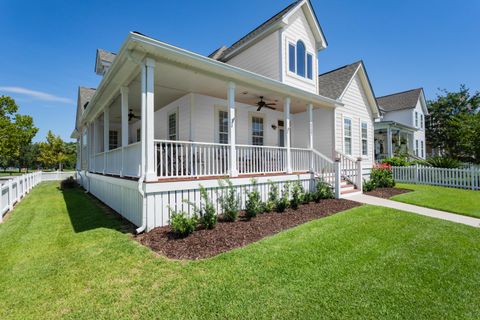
column 453, row 124
column 16, row 134
column 54, row 153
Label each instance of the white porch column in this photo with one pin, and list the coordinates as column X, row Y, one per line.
column 310, row 133
column 389, row 142
column 192, row 116
column 232, row 129
column 124, row 116
column 286, row 115
column 92, row 141
column 148, row 133
column 106, row 134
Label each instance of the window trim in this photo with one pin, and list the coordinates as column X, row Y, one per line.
column 216, row 119
column 294, row 74
column 109, row 140
column 252, row 115
column 364, row 139
column 172, row 112
column 345, row 136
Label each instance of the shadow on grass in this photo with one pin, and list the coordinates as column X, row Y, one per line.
column 88, row 213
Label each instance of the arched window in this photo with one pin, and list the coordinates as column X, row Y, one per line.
column 301, row 58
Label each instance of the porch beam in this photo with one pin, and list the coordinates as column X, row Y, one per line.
column 148, row 95
column 124, row 115
column 310, row 133
column 232, row 129
column 286, row 115
column 106, row 134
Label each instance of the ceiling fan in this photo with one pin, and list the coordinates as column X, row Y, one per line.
column 131, row 115
column 262, row 104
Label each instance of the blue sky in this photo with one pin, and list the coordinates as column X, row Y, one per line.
column 48, row 47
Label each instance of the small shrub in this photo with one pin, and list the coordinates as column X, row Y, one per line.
column 182, row 225
column 368, row 185
column 254, row 205
column 419, row 162
column 229, row 201
column 323, row 191
column 397, row 161
column 382, row 177
column 68, row 183
column 272, row 198
column 282, row 203
column 443, row 162
column 308, row 197
column 208, row 214
column 297, row 195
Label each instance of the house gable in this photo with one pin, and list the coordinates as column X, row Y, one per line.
column 265, row 49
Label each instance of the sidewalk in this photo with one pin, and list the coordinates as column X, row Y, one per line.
column 469, row 221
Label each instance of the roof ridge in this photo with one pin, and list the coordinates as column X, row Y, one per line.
column 397, row 93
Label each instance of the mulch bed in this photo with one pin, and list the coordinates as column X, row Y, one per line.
column 387, row 193
column 230, row 235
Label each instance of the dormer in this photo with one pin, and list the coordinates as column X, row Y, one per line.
column 103, row 61
column 283, row 48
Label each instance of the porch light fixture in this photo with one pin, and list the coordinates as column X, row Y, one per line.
column 274, row 127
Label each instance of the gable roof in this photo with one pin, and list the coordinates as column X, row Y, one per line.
column 103, row 60
column 105, row 55
column 333, row 83
column 401, row 100
column 85, row 95
column 226, row 51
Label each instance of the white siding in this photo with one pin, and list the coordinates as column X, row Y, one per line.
column 356, row 108
column 323, row 123
column 262, row 58
column 299, row 29
column 420, row 133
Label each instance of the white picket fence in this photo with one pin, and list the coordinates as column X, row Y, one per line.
column 15, row 189
column 453, row 178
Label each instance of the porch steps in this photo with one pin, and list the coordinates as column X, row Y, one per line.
column 347, row 189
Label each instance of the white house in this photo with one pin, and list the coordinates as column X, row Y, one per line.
column 164, row 120
column 401, row 128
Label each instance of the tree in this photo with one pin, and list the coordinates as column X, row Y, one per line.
column 55, row 152
column 16, row 134
column 451, row 123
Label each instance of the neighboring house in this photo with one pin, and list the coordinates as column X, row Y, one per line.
column 164, row 120
column 401, row 128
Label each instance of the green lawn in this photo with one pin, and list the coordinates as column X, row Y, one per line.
column 465, row 202
column 62, row 256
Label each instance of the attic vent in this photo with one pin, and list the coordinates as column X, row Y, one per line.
column 85, row 105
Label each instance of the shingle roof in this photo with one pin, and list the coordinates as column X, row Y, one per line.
column 332, row 84
column 85, row 95
column 400, row 101
column 106, row 55
column 252, row 34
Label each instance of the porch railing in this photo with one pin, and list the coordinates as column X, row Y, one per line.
column 98, row 162
column 300, row 159
column 348, row 167
column 261, row 159
column 191, row 159
column 323, row 167
column 114, row 161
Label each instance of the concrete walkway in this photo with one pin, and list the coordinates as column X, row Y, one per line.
column 469, row 221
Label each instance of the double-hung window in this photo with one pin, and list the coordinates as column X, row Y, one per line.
column 422, row 144
column 257, row 131
column 364, row 139
column 347, row 136
column 223, row 127
column 112, row 139
column 421, row 121
column 416, row 119
column 416, row 148
column 172, row 126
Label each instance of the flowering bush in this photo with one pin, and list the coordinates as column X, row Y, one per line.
column 381, row 176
